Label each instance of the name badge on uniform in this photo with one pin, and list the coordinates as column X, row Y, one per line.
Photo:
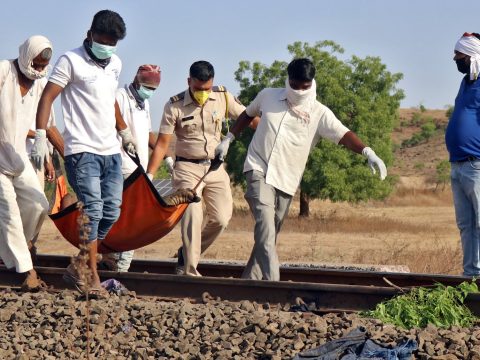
column 187, row 118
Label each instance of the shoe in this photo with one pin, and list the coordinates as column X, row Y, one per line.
column 180, row 268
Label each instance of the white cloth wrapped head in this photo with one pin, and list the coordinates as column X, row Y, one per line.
column 29, row 50
column 469, row 45
column 301, row 101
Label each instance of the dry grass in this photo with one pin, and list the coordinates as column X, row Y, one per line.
column 332, row 222
column 441, row 258
column 404, row 196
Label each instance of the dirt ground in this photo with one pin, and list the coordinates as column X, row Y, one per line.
column 416, row 229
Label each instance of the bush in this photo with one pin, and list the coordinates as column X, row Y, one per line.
column 442, row 306
column 428, row 130
column 416, row 119
column 442, row 175
column 449, row 112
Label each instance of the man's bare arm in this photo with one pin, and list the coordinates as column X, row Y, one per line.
column 152, row 140
column 352, row 142
column 49, row 95
column 241, row 123
column 56, row 139
column 158, row 153
column 120, row 124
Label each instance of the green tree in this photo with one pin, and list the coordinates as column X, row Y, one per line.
column 442, row 174
column 362, row 94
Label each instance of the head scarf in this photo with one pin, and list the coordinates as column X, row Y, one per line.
column 148, row 75
column 301, row 102
column 469, row 45
column 28, row 51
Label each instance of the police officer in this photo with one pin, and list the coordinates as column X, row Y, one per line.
column 196, row 116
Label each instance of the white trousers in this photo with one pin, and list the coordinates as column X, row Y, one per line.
column 23, row 208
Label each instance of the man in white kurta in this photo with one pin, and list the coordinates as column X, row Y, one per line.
column 23, row 205
column 292, row 122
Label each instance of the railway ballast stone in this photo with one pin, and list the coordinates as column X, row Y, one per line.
column 53, row 326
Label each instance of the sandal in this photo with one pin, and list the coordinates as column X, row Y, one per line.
column 71, row 277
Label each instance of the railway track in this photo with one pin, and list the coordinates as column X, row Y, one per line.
column 330, row 290
column 290, row 273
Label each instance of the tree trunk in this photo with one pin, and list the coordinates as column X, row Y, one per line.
column 304, row 204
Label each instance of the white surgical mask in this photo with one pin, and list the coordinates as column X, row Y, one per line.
column 144, row 93
column 103, row 52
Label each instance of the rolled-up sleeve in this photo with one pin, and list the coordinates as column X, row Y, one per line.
column 254, row 109
column 329, row 127
column 235, row 107
column 169, row 119
column 62, row 72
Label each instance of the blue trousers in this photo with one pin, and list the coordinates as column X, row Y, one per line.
column 465, row 178
column 98, row 182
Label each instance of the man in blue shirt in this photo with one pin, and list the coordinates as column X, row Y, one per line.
column 463, row 143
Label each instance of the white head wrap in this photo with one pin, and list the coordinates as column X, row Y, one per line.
column 301, row 101
column 469, row 45
column 28, row 51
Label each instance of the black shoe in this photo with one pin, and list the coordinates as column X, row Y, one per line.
column 180, row 268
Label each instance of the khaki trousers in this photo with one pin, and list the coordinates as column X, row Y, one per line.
column 23, row 208
column 269, row 207
column 199, row 233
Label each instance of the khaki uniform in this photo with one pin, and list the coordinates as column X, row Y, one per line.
column 198, row 132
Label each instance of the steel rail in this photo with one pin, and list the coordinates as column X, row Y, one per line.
column 295, row 274
column 327, row 297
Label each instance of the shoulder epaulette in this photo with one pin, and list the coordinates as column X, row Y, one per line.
column 179, row 96
column 219, row 88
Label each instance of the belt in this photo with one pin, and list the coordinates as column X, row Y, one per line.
column 195, row 161
column 469, row 158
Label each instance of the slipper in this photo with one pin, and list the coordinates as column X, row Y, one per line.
column 71, row 277
column 94, row 293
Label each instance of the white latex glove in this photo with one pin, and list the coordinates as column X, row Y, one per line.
column 150, row 176
column 374, row 160
column 128, row 142
column 39, row 153
column 170, row 163
column 222, row 148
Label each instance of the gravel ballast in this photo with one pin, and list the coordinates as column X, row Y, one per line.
column 53, row 326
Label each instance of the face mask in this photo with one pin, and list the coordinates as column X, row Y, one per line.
column 101, row 51
column 145, row 93
column 201, row 96
column 462, row 65
column 300, row 97
column 33, row 74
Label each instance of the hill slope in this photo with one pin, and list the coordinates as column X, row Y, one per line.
column 421, row 156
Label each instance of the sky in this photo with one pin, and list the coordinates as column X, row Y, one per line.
column 413, row 37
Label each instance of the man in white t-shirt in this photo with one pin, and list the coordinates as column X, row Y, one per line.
column 23, row 206
column 292, row 122
column 133, row 102
column 87, row 78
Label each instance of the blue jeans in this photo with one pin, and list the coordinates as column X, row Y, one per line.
column 465, row 178
column 98, row 182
